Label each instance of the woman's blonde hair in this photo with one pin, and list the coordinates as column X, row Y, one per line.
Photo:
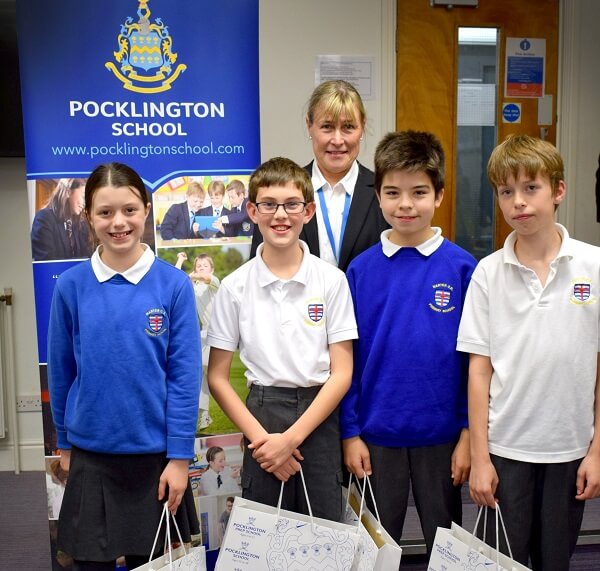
column 336, row 98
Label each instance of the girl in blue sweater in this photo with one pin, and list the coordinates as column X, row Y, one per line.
column 124, row 371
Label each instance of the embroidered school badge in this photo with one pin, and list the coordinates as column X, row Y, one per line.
column 156, row 320
column 581, row 293
column 442, row 298
column 314, row 314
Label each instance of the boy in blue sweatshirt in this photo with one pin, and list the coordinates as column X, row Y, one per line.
column 404, row 418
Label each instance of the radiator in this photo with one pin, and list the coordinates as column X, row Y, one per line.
column 8, row 399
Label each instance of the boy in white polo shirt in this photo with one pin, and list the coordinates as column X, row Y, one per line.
column 291, row 316
column 531, row 324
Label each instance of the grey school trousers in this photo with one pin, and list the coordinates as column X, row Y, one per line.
column 539, row 509
column 427, row 470
column 277, row 408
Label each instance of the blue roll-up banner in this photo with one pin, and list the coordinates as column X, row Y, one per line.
column 169, row 87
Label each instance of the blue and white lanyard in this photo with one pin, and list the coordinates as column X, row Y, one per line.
column 327, row 223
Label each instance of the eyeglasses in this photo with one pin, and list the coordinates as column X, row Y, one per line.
column 289, row 207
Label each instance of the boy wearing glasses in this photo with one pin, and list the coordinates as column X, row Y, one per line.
column 291, row 316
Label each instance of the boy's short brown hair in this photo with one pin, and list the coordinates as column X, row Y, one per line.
column 411, row 151
column 195, row 188
column 279, row 171
column 531, row 155
column 237, row 186
column 216, row 187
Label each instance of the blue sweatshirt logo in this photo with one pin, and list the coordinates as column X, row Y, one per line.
column 442, row 298
column 156, row 322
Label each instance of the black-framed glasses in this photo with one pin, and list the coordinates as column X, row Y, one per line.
column 293, row 207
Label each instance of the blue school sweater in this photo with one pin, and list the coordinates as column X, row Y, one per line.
column 409, row 382
column 124, row 364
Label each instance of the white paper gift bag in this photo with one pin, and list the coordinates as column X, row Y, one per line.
column 377, row 550
column 261, row 537
column 181, row 558
column 456, row 549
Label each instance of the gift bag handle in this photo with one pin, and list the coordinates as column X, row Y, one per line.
column 374, row 502
column 499, row 522
column 349, row 487
column 168, row 543
column 310, row 514
column 362, row 489
column 362, row 498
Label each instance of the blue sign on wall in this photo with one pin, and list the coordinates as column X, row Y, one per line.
column 511, row 113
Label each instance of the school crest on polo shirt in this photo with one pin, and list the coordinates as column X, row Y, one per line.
column 315, row 312
column 156, row 322
column 442, row 298
column 581, row 292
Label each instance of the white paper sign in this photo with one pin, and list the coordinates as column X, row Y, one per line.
column 359, row 71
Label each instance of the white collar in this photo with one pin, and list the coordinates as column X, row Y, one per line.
column 565, row 250
column 426, row 248
column 348, row 182
column 134, row 274
column 267, row 277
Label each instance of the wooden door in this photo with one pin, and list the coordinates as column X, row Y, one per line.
column 427, row 76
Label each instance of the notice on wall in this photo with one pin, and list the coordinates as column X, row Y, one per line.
column 525, row 65
column 356, row 70
column 476, row 105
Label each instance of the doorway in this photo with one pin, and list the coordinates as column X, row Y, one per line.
column 450, row 79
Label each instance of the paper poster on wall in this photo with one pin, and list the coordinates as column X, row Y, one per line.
column 476, row 105
column 525, row 67
column 356, row 70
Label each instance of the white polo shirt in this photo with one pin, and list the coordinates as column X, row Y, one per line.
column 543, row 344
column 283, row 328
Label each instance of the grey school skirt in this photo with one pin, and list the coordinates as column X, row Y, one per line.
column 110, row 506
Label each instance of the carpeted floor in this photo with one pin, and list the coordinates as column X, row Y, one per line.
column 24, row 534
column 25, row 539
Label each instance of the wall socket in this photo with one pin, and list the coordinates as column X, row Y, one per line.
column 29, row 403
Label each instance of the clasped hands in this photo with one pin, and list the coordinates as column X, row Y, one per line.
column 277, row 454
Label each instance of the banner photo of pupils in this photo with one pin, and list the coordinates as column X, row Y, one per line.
column 170, row 88
column 216, row 480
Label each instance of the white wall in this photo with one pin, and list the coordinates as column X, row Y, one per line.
column 292, row 33
column 16, row 272
column 579, row 115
